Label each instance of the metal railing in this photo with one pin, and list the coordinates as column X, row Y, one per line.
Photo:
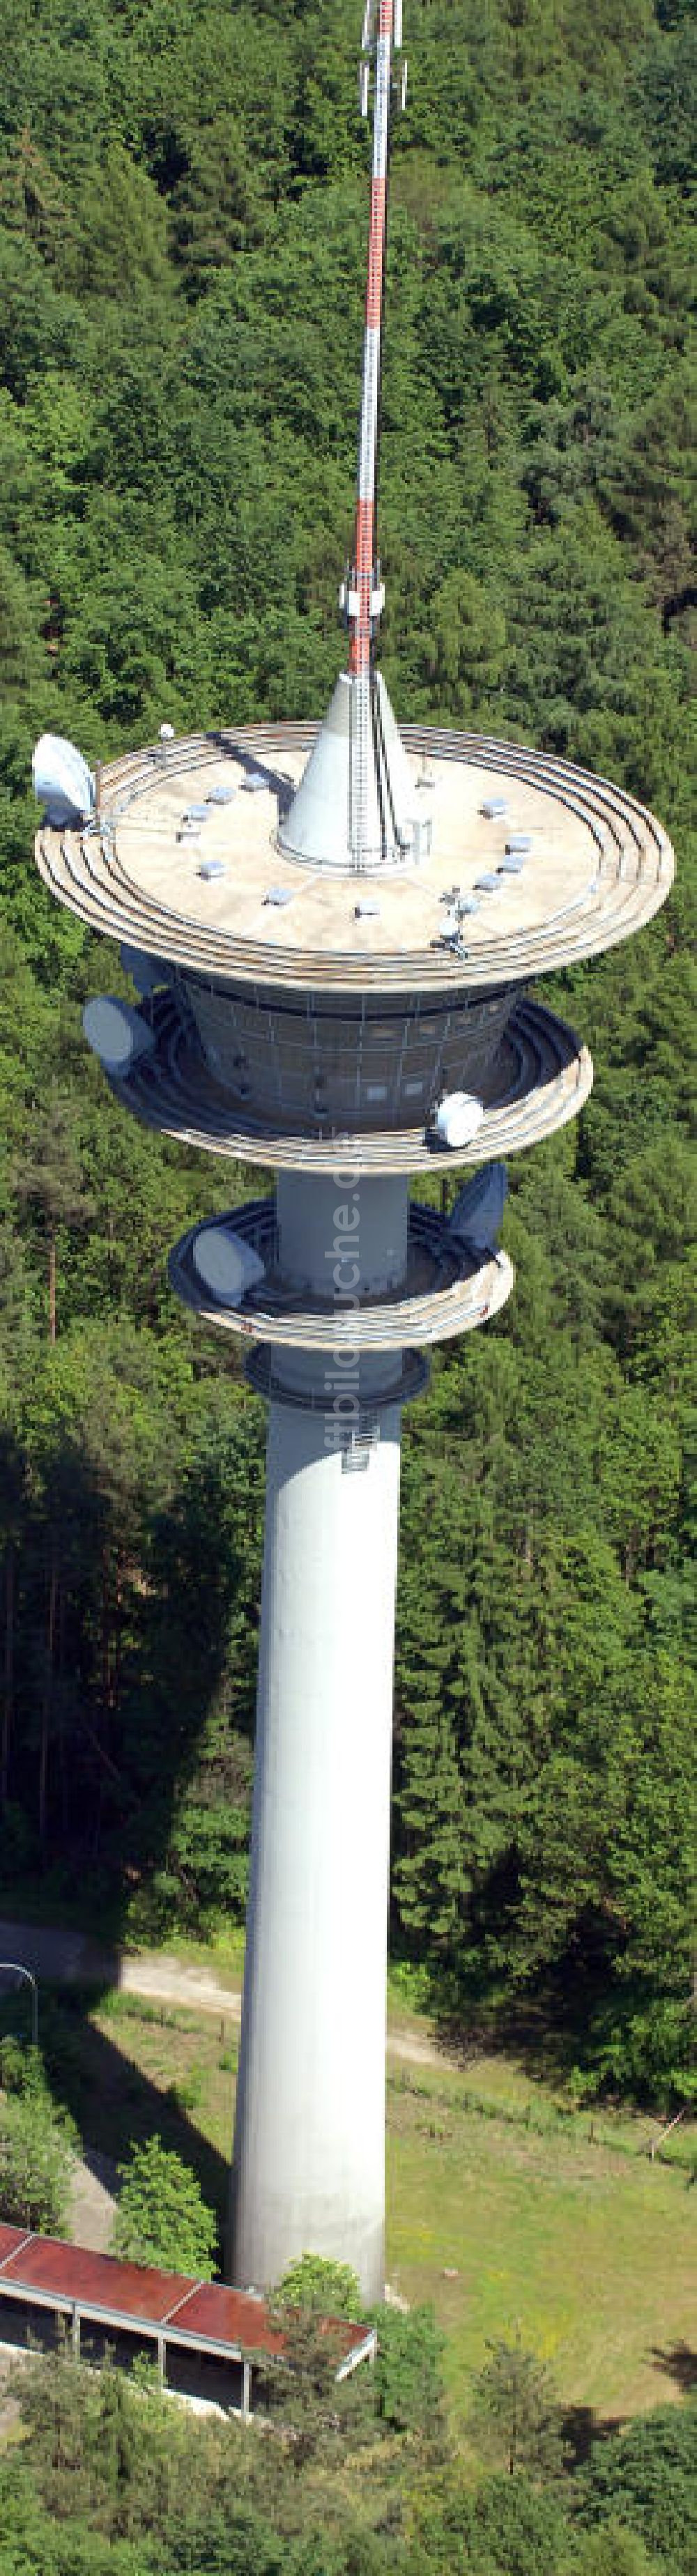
column 13, row 1968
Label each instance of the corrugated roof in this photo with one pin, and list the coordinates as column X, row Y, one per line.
column 218, row 2314
column 139, row 2294
column 10, row 2239
column 98, row 2280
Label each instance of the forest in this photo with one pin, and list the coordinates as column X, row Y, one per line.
column 183, row 210
column 111, row 2480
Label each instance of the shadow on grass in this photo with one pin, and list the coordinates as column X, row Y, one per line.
column 582, row 2429
column 679, row 2362
column 115, row 2105
column 572, row 2032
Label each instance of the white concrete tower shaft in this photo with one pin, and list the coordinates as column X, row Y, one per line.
column 308, row 2170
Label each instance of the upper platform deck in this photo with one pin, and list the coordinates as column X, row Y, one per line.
column 597, row 865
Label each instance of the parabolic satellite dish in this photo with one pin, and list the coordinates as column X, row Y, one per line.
column 146, row 972
column 116, row 1033
column 457, row 1119
column 62, row 781
column 226, row 1264
column 479, row 1207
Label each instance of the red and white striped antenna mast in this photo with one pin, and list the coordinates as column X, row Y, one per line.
column 363, row 593
column 355, row 807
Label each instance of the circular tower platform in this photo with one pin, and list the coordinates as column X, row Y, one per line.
column 288, row 1007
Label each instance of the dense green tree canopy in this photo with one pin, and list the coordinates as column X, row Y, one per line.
column 110, row 2480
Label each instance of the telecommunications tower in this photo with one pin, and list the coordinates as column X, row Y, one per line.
column 332, row 932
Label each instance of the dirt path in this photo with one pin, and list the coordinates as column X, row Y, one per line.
column 73, row 1958
column 93, row 2201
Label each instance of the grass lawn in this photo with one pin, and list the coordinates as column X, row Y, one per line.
column 589, row 2248
column 504, row 2206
